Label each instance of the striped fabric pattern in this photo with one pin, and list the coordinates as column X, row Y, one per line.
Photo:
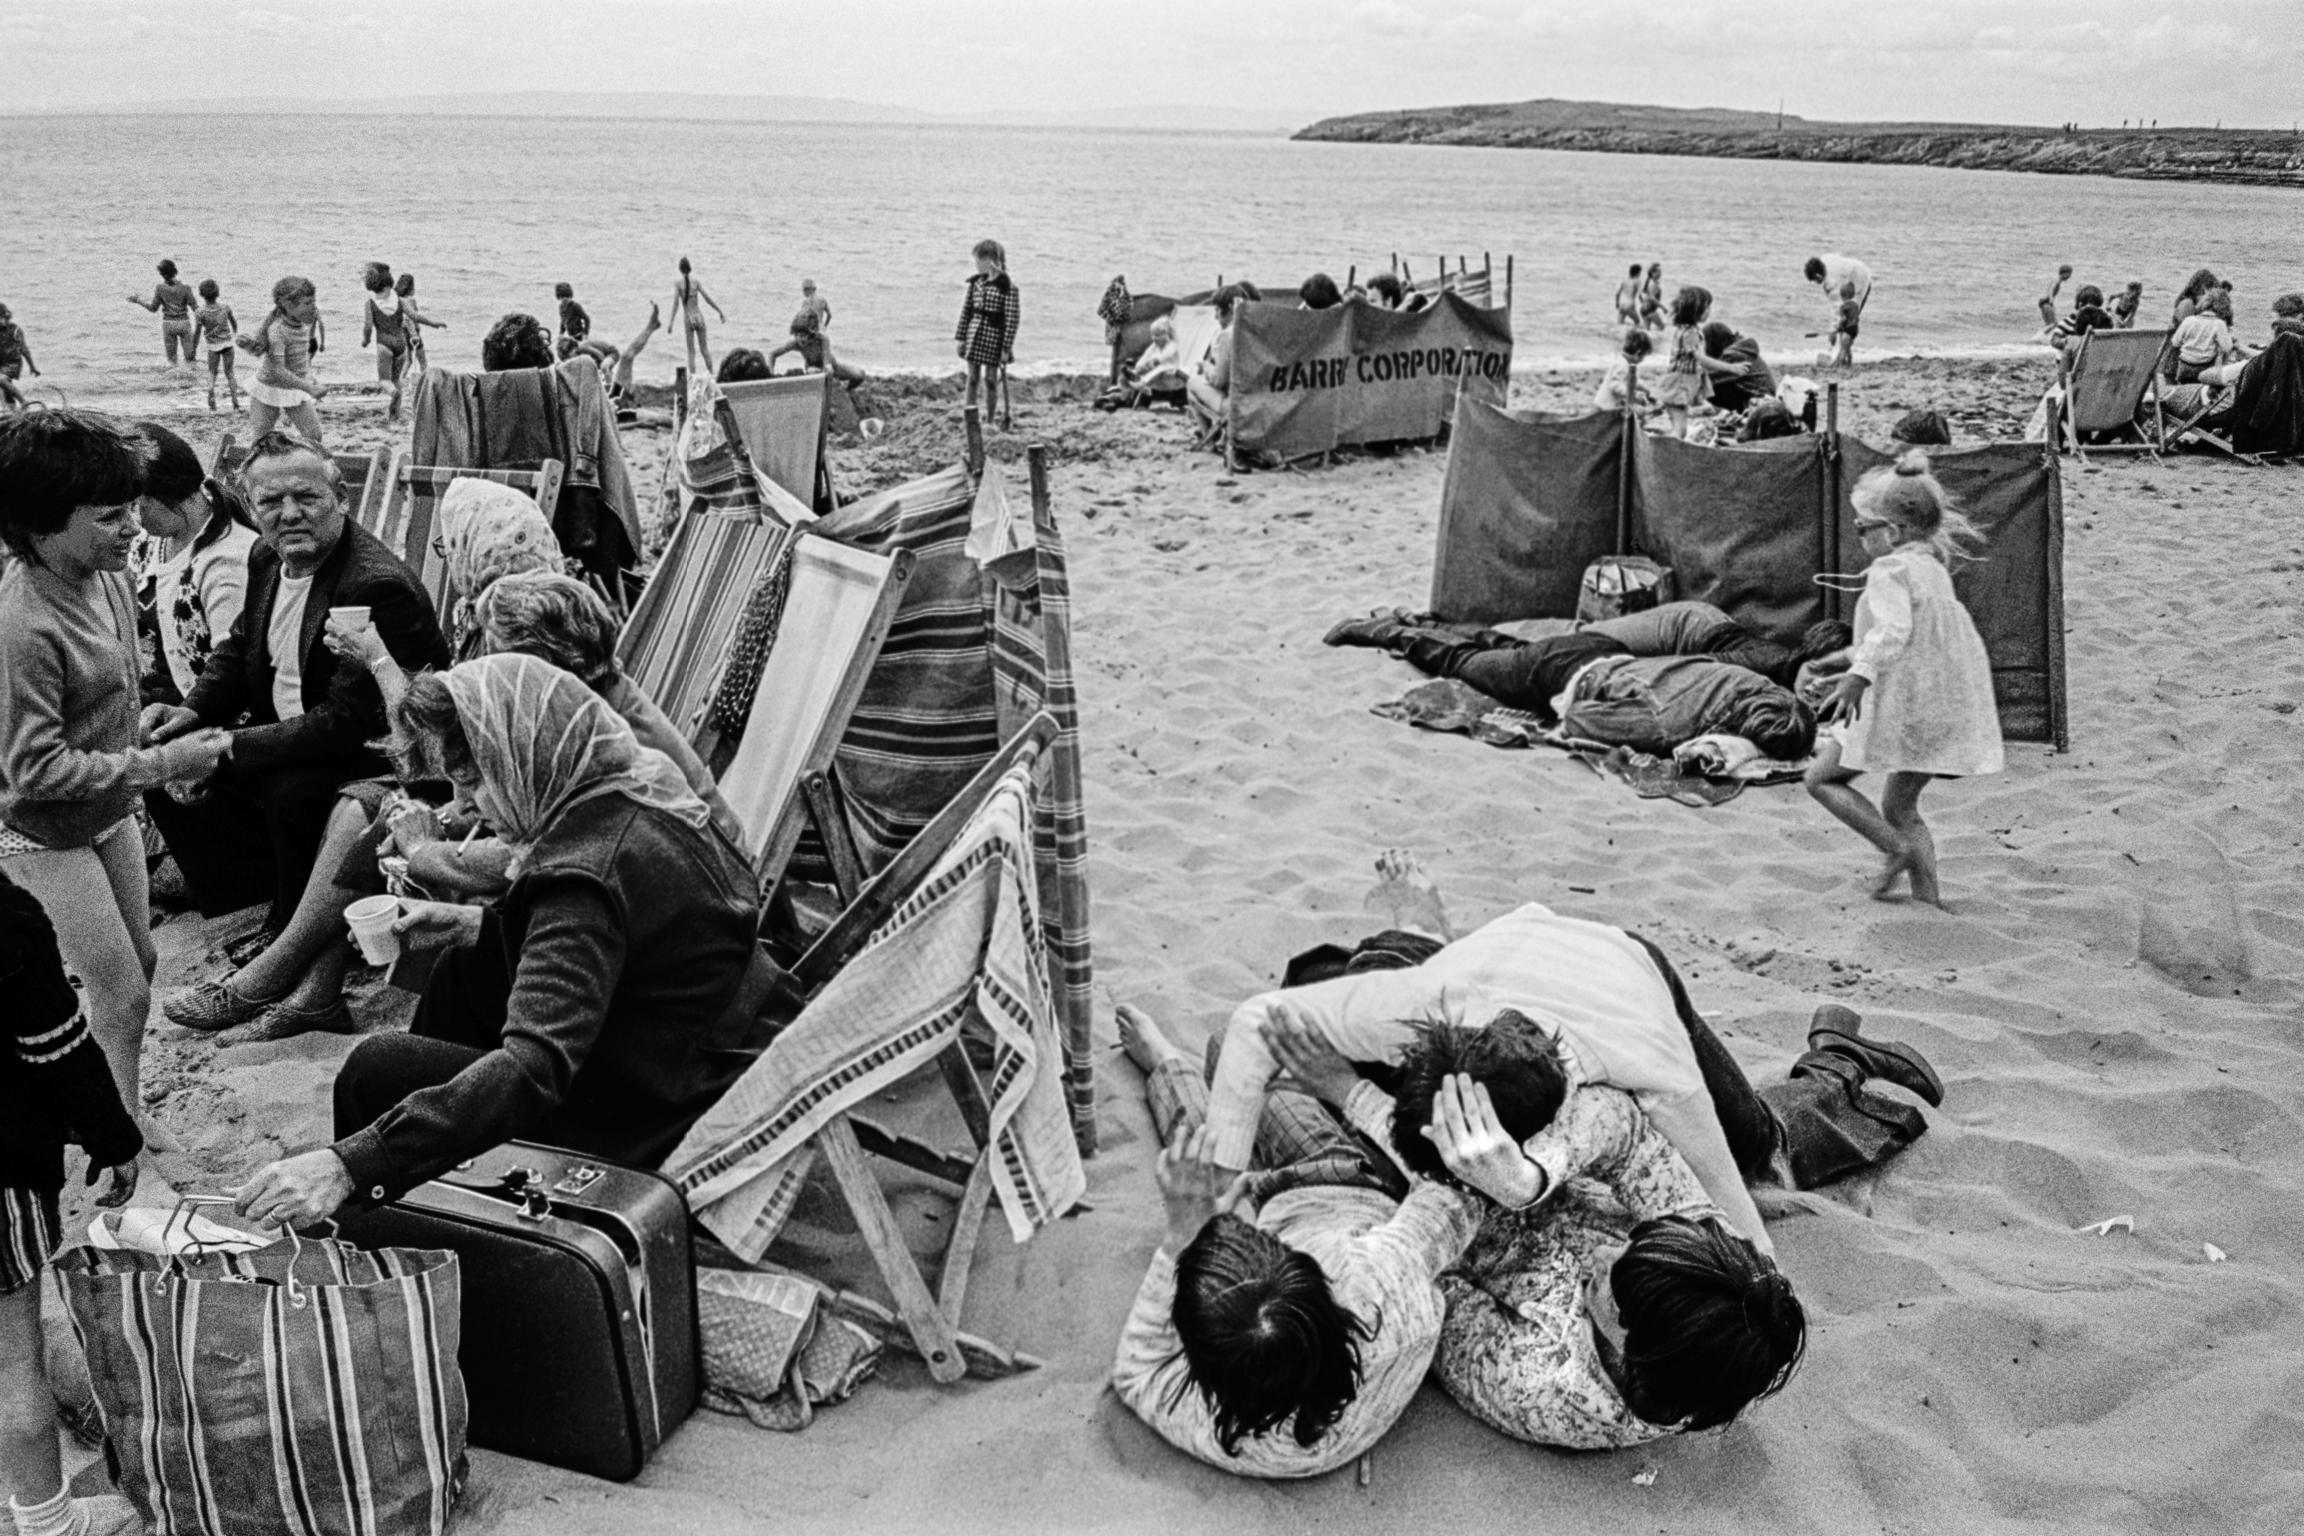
column 27, row 1235
column 965, row 665
column 308, row 1388
column 966, row 946
column 50, row 1045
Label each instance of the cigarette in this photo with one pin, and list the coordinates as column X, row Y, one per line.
column 475, row 832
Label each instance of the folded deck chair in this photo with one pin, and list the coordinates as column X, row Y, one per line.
column 944, row 941
column 783, row 422
column 406, row 521
column 2107, row 376
column 364, row 477
column 836, row 605
column 730, row 528
column 2261, row 413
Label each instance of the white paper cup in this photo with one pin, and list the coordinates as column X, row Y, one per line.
column 370, row 919
column 353, row 616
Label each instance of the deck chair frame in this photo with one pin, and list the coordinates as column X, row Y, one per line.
column 404, row 520
column 813, row 794
column 2176, row 431
column 364, row 476
column 928, row 1321
column 820, row 497
column 2073, row 373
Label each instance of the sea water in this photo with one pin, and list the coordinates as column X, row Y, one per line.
column 491, row 212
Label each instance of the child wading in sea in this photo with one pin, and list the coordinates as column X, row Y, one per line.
column 406, row 288
column 688, row 296
column 15, row 357
column 218, row 325
column 172, row 302
column 987, row 331
column 1844, row 334
column 384, row 320
column 1915, row 701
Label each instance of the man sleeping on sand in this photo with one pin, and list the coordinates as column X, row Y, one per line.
column 1291, row 1312
column 1649, row 681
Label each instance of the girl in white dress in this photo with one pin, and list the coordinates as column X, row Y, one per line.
column 1915, row 699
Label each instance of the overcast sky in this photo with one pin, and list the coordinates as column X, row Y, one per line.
column 2043, row 61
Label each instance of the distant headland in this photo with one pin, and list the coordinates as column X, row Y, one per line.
column 2249, row 155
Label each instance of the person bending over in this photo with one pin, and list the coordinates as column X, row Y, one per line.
column 594, row 1007
column 1596, row 688
column 1289, row 1315
column 300, row 722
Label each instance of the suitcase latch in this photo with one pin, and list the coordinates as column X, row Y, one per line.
column 527, row 1186
column 579, row 1179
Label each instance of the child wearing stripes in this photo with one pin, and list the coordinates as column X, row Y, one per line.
column 55, row 1088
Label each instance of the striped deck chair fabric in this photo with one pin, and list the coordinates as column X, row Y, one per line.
column 782, row 422
column 408, row 520
column 730, row 526
column 959, row 671
column 965, row 948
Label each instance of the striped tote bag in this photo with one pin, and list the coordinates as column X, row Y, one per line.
column 307, row 1389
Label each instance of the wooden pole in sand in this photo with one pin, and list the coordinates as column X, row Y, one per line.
column 972, row 425
column 1829, row 480
column 1507, row 281
column 2059, row 723
column 1624, row 464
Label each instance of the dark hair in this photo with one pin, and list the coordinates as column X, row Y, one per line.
column 516, row 341
column 2199, row 283
column 1635, row 343
column 742, row 364
column 1925, row 427
column 376, row 277
column 684, row 265
column 554, row 618
column 1228, row 298
column 167, row 269
column 1823, row 638
column 280, row 443
column 2089, row 296
column 1710, row 1327
column 1719, row 336
column 405, row 285
column 427, row 734
column 1319, row 292
column 1690, row 305
column 1387, row 287
column 2219, row 304
column 1778, row 723
column 1513, row 1058
column 2288, row 304
column 1635, row 269
column 563, row 291
column 1814, row 270
column 991, row 248
column 209, row 290
column 54, row 462
column 174, row 471
column 1264, row 1339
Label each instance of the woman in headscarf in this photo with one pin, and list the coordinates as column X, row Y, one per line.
column 596, row 1006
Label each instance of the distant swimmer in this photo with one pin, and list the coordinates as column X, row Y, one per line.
column 172, row 301
column 1628, row 298
column 384, row 321
column 15, row 357
column 687, row 295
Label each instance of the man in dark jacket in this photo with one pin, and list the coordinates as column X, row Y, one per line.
column 1593, row 686
column 301, row 722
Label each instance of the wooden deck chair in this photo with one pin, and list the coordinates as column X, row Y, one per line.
column 364, row 476
column 2184, row 413
column 784, row 422
column 926, row 1321
column 838, row 604
column 2106, row 377
column 405, row 522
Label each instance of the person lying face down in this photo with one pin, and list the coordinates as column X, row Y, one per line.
column 1598, row 688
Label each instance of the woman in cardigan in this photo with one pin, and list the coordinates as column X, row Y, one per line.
column 593, row 1007
column 71, row 762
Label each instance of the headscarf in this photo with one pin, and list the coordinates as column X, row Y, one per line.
column 543, row 743
column 490, row 530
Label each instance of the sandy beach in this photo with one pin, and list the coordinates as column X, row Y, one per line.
column 2112, row 1001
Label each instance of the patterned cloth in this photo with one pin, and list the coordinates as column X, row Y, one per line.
column 1517, row 1350
column 731, row 708
column 964, row 950
column 1115, row 309
column 28, row 1225
column 544, row 743
column 989, row 316
column 489, row 530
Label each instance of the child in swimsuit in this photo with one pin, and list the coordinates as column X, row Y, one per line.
column 687, row 294
column 217, row 327
column 15, row 357
column 406, row 288
column 575, row 324
column 172, row 302
column 386, row 323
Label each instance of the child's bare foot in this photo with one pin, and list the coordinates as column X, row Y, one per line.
column 1144, row 1041
column 1894, row 868
column 1408, row 896
column 1924, row 887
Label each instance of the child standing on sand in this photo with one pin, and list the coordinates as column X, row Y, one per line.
column 1913, row 698
column 284, row 388
column 217, row 327
column 687, row 294
column 986, row 335
column 1617, row 381
column 1844, row 333
column 1682, row 385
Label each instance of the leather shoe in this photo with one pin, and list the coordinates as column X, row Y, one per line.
column 1379, row 629
column 1834, row 1029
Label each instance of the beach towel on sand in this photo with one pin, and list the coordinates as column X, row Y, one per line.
column 966, row 951
column 1446, row 704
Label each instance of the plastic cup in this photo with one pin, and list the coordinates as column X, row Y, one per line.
column 353, row 616
column 370, row 919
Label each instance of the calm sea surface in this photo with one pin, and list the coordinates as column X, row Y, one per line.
column 489, row 213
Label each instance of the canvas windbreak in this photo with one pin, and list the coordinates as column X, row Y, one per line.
column 1307, row 381
column 1530, row 501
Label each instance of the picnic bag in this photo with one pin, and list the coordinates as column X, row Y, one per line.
column 306, row 1388
column 1615, row 585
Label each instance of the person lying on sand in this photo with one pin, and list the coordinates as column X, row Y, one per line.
column 1599, row 689
column 1289, row 1314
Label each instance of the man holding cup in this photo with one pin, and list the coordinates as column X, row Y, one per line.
column 301, row 723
